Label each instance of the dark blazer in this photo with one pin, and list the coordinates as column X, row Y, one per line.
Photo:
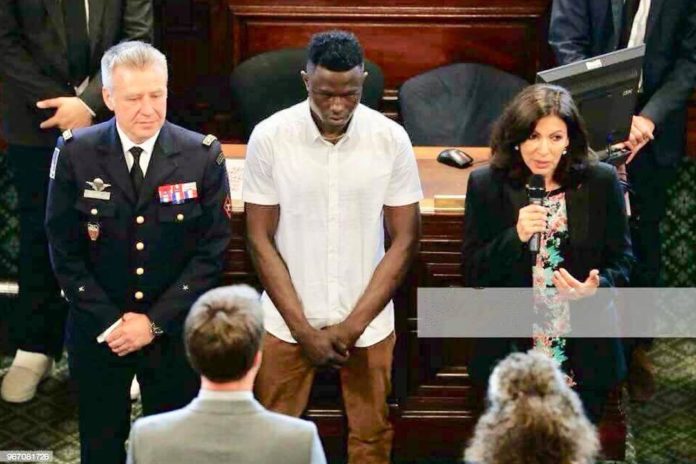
column 494, row 256
column 183, row 245
column 582, row 29
column 34, row 63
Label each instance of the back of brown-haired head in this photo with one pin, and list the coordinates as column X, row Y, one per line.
column 223, row 333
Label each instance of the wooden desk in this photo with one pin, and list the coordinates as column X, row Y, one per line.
column 436, row 178
column 434, row 407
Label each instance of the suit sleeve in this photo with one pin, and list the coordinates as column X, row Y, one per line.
column 17, row 64
column 132, row 444
column 486, row 255
column 67, row 245
column 204, row 270
column 679, row 83
column 137, row 25
column 317, row 451
column 617, row 255
column 569, row 30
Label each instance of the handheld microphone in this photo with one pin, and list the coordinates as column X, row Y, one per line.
column 536, row 189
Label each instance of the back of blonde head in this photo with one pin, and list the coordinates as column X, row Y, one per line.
column 533, row 418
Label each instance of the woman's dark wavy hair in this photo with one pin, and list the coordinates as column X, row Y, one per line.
column 518, row 122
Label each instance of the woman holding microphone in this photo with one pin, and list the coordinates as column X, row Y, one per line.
column 583, row 237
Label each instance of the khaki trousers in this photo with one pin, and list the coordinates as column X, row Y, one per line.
column 285, row 380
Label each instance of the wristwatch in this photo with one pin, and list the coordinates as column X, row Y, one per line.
column 155, row 330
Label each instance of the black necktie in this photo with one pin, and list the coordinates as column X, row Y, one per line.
column 136, row 173
column 75, row 18
column 629, row 13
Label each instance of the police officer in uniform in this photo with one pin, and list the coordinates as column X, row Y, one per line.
column 138, row 224
column 50, row 78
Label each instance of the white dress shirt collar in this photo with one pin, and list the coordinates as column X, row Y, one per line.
column 240, row 395
column 313, row 133
column 148, row 146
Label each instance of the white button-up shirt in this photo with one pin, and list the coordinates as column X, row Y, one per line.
column 330, row 232
column 640, row 22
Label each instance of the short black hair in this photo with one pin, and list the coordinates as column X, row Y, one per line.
column 335, row 50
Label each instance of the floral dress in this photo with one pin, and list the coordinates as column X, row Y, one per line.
column 552, row 313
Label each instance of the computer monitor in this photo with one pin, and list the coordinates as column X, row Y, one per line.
column 605, row 89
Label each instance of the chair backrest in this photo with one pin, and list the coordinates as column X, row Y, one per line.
column 456, row 105
column 271, row 81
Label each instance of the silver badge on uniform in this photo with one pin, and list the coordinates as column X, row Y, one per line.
column 98, row 190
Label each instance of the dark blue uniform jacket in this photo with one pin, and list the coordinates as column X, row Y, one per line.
column 148, row 257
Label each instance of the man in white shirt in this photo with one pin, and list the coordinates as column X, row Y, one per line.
column 138, row 226
column 223, row 334
column 321, row 179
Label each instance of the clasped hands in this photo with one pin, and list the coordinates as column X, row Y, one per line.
column 71, row 113
column 532, row 220
column 131, row 335
column 329, row 346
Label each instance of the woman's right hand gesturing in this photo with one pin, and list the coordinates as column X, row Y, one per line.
column 530, row 220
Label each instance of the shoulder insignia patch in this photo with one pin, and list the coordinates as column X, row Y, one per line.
column 67, row 135
column 54, row 163
column 220, row 158
column 208, row 140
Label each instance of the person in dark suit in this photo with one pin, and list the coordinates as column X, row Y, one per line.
column 138, row 224
column 49, row 68
column 582, row 29
column 223, row 335
column 584, row 244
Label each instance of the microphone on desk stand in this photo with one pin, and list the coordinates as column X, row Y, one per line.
column 536, row 190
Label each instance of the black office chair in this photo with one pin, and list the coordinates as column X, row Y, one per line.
column 271, row 81
column 456, row 105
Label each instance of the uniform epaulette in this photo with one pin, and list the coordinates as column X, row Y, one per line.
column 208, row 140
column 67, row 135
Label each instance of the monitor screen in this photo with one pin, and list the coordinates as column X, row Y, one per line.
column 605, row 88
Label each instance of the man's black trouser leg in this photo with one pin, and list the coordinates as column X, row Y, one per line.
column 39, row 320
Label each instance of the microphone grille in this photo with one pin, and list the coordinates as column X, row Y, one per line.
column 536, row 181
column 536, row 186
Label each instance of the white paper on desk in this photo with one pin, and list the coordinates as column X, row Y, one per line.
column 235, row 173
column 102, row 337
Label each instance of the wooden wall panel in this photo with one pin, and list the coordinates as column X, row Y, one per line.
column 198, row 87
column 404, row 37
